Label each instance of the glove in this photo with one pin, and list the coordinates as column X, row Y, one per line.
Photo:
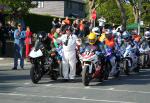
column 98, row 53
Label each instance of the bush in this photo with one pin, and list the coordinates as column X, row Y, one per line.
column 38, row 22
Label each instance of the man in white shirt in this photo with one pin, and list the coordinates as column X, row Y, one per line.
column 101, row 21
column 69, row 60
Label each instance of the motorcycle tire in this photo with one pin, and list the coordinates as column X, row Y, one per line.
column 142, row 61
column 85, row 75
column 125, row 67
column 146, row 59
column 35, row 74
column 54, row 75
column 107, row 70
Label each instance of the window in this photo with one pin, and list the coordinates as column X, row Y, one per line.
column 40, row 4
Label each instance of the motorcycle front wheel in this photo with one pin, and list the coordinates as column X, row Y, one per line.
column 35, row 73
column 85, row 75
column 126, row 67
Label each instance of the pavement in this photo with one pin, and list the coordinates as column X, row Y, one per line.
column 6, row 61
column 16, row 87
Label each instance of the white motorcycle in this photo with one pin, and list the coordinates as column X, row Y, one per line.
column 92, row 67
column 129, row 60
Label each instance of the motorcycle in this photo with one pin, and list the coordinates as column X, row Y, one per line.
column 129, row 60
column 42, row 63
column 111, row 63
column 92, row 67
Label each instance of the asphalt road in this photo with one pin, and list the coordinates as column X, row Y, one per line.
column 16, row 87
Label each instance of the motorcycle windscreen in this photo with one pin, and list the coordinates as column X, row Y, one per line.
column 35, row 54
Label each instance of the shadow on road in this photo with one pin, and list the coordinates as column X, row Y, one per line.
column 141, row 78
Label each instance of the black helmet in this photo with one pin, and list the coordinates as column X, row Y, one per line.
column 42, row 36
column 69, row 28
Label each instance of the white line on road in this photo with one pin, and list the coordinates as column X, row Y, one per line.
column 1, row 58
column 61, row 97
column 86, row 88
column 109, row 89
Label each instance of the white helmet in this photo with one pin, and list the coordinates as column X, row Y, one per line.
column 96, row 30
column 147, row 34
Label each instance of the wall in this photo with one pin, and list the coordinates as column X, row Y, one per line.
column 55, row 8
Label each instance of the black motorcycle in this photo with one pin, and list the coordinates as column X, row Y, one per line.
column 43, row 62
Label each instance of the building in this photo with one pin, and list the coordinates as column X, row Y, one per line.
column 61, row 8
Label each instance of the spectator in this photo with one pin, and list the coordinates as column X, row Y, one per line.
column 75, row 26
column 67, row 21
column 54, row 23
column 28, row 41
column 3, row 39
column 81, row 28
column 19, row 36
column 59, row 22
column 102, row 22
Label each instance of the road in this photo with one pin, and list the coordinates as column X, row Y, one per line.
column 16, row 87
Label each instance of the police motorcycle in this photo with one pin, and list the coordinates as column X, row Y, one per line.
column 92, row 67
column 145, row 51
column 129, row 60
column 42, row 61
column 112, row 63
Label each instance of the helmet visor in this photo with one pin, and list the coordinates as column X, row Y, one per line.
column 91, row 41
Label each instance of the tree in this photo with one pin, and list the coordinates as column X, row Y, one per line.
column 109, row 9
column 18, row 6
column 123, row 13
column 140, row 7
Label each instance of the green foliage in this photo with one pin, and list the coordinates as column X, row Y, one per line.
column 21, row 6
column 129, row 14
column 109, row 9
column 39, row 22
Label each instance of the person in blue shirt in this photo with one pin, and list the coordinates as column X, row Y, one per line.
column 19, row 37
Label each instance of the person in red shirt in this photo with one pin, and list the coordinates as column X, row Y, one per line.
column 81, row 28
column 28, row 41
column 66, row 21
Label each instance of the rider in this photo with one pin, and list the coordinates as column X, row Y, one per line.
column 94, row 45
column 109, row 40
column 146, row 38
column 43, row 38
column 96, row 30
column 110, row 47
column 136, row 38
column 145, row 46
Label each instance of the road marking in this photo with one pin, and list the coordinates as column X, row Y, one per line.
column 61, row 97
column 86, row 88
column 109, row 89
column 27, row 83
column 1, row 58
column 48, row 85
column 11, row 64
